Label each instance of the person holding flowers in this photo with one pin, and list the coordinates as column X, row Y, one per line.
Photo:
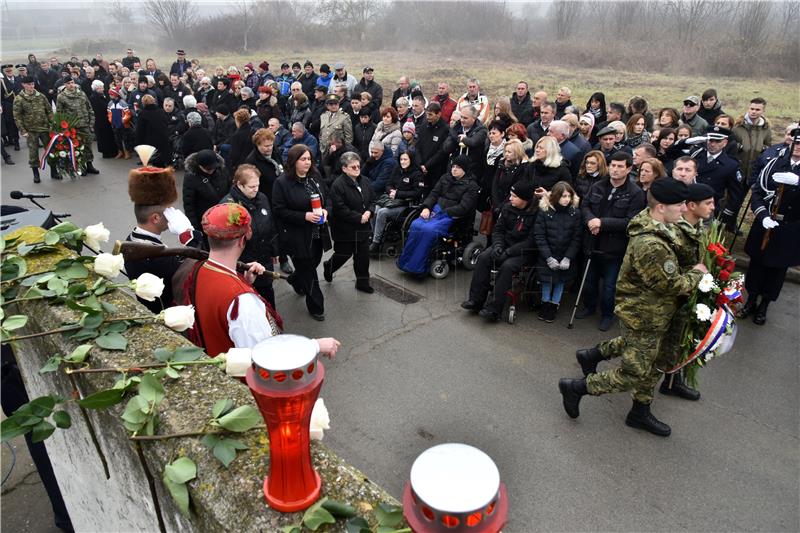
column 648, row 290
column 73, row 102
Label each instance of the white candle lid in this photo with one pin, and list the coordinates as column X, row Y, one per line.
column 455, row 478
column 285, row 352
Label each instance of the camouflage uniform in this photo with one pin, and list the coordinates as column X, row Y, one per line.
column 76, row 104
column 33, row 115
column 649, row 285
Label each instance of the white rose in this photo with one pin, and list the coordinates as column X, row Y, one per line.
column 237, row 361
column 108, row 265
column 703, row 312
column 706, row 283
column 179, row 317
column 319, row 420
column 148, row 286
column 95, row 234
column 62, row 153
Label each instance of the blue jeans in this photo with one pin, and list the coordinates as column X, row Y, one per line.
column 606, row 268
column 552, row 292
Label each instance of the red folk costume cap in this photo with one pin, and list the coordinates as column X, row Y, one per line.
column 226, row 222
column 151, row 185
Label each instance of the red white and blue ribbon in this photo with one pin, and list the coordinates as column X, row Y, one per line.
column 49, row 149
column 720, row 322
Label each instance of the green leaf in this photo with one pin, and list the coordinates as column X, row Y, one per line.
column 64, row 227
column 92, row 319
column 42, row 406
column 112, row 341
column 294, row 528
column 136, row 411
column 151, row 389
column 358, row 524
column 150, row 426
column 14, row 267
column 108, row 307
column 42, row 430
column 316, row 515
column 339, row 509
column 79, row 354
column 179, row 493
column 10, row 429
column 240, row 419
column 210, row 440
column 188, row 353
column 62, row 419
column 181, row 470
column 221, row 407
column 113, row 327
column 77, row 289
column 51, row 365
column 24, row 249
column 84, row 334
column 102, row 399
column 58, row 286
column 224, row 453
column 73, row 271
column 389, row 515
column 51, row 238
column 163, row 354
column 14, row 322
column 171, row 372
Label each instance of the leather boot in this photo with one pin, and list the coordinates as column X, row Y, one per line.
column 673, row 385
column 54, row 173
column 640, row 417
column 572, row 390
column 36, row 178
column 374, row 249
column 90, row 168
column 748, row 308
column 760, row 317
column 552, row 310
column 588, row 360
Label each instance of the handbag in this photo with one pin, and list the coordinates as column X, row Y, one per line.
column 385, row 201
column 487, row 223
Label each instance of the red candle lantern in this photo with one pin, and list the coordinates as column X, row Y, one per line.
column 285, row 379
column 455, row 488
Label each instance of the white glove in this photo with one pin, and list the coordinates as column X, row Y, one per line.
column 768, row 223
column 564, row 263
column 696, row 140
column 552, row 263
column 786, row 178
column 177, row 222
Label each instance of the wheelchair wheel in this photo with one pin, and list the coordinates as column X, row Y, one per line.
column 406, row 226
column 439, row 269
column 470, row 256
column 391, row 251
column 512, row 314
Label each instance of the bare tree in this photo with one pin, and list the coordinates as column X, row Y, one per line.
column 790, row 19
column 350, row 15
column 170, row 17
column 562, row 17
column 249, row 13
column 689, row 17
column 120, row 10
column 752, row 22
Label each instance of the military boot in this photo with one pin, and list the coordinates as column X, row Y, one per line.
column 54, row 175
column 748, row 307
column 761, row 312
column 673, row 385
column 90, row 168
column 36, row 178
column 640, row 417
column 572, row 390
column 588, row 360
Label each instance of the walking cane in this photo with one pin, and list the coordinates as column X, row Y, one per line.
column 580, row 291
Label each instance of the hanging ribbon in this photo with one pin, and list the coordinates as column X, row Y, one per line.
column 49, row 149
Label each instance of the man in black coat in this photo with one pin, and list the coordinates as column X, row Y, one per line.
column 204, row 184
column 607, row 209
column 176, row 90
column 180, row 65
column 369, row 85
column 468, row 137
column 512, row 247
column 431, row 137
column 403, row 90
column 538, row 129
column 363, row 131
column 521, row 104
column 224, row 126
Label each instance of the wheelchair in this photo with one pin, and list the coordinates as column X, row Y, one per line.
column 396, row 231
column 524, row 286
column 456, row 248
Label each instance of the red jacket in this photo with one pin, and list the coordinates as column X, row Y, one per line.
column 448, row 106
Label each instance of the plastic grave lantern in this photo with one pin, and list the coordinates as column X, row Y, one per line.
column 455, row 488
column 285, row 379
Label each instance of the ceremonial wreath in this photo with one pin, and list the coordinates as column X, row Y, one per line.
column 65, row 151
column 710, row 327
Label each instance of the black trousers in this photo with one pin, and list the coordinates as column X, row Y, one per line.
column 305, row 278
column 481, row 278
column 359, row 251
column 764, row 280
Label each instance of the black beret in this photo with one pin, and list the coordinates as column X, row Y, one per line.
column 462, row 162
column 523, row 189
column 28, row 79
column 699, row 192
column 669, row 191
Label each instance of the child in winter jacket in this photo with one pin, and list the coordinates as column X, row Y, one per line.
column 120, row 116
column 558, row 236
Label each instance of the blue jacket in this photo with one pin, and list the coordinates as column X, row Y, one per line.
column 380, row 171
column 572, row 155
column 325, row 81
column 307, row 139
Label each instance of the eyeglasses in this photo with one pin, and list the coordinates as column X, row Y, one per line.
column 689, row 104
column 354, row 166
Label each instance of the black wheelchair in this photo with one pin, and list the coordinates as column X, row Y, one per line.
column 458, row 247
column 396, row 231
column 524, row 287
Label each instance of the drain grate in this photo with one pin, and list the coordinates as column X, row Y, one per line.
column 394, row 291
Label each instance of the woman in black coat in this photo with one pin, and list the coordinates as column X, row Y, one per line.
column 557, row 232
column 152, row 127
column 261, row 156
column 241, row 141
column 512, row 168
column 353, row 202
column 406, row 187
column 196, row 138
column 263, row 245
column 204, row 184
column 303, row 233
column 548, row 167
column 102, row 127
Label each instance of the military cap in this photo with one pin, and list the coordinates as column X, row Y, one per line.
column 28, row 79
column 331, row 98
column 462, row 162
column 795, row 134
column 22, row 65
column 699, row 192
column 523, row 189
column 608, row 130
column 226, row 221
column 7, row 65
column 669, row 191
column 718, row 133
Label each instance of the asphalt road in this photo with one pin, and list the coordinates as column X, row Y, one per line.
column 411, row 376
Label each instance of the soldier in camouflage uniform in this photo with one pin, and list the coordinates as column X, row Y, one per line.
column 689, row 231
column 73, row 101
column 33, row 114
column 648, row 290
